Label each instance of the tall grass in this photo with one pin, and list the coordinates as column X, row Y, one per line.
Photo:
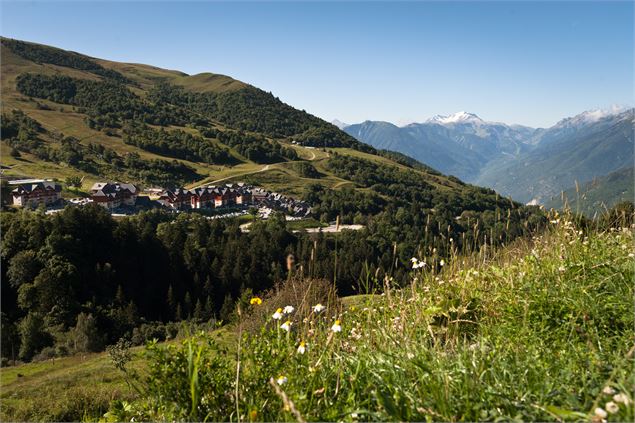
column 542, row 330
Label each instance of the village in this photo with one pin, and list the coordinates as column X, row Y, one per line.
column 126, row 198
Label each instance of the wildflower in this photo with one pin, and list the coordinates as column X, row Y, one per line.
column 286, row 326
column 255, row 300
column 301, row 347
column 281, row 380
column 318, row 308
column 336, row 326
column 561, row 269
column 600, row 412
column 611, row 407
column 278, row 314
column 442, row 263
column 288, row 309
column 621, row 398
column 631, row 255
column 608, row 390
column 414, row 259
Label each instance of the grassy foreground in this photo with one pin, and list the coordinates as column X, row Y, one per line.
column 543, row 331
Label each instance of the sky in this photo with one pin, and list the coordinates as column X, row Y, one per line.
column 530, row 63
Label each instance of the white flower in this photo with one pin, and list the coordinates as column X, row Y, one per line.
column 419, row 265
column 301, row 347
column 611, row 407
column 286, row 326
column 318, row 308
column 621, row 398
column 288, row 309
column 278, row 314
column 281, row 380
column 336, row 326
column 414, row 260
column 600, row 412
column 608, row 390
column 442, row 262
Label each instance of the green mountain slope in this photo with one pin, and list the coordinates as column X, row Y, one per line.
column 599, row 194
column 564, row 157
column 69, row 114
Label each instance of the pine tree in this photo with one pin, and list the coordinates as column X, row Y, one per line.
column 188, row 305
column 198, row 310
column 209, row 308
column 178, row 315
column 171, row 302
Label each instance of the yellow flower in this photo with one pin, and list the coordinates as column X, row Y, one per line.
column 278, row 314
column 286, row 326
column 336, row 326
column 253, row 415
column 301, row 347
column 281, row 380
column 255, row 300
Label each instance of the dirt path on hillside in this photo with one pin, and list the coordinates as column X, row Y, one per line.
column 264, row 169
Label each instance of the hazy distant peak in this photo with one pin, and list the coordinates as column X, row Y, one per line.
column 339, row 123
column 592, row 116
column 459, row 117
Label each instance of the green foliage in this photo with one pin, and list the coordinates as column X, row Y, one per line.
column 254, row 147
column 594, row 197
column 44, row 54
column 74, row 181
column 440, row 350
column 33, row 336
column 177, row 144
column 306, row 170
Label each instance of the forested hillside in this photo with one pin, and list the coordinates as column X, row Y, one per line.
column 83, row 275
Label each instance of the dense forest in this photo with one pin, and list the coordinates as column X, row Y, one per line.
column 79, row 273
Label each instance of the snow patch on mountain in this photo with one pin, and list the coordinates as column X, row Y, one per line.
column 458, row 117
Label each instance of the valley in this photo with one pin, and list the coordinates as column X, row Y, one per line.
column 530, row 165
column 358, row 273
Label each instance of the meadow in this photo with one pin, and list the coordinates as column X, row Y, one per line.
column 539, row 330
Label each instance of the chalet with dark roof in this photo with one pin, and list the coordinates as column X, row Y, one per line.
column 34, row 194
column 113, row 195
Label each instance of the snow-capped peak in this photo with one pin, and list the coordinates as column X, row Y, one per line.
column 459, row 117
column 592, row 116
column 339, row 123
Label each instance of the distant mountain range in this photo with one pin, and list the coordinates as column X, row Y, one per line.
column 529, row 164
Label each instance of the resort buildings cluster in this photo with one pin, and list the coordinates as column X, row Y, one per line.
column 128, row 198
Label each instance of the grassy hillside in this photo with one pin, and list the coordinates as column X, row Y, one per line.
column 215, row 102
column 598, row 195
column 541, row 330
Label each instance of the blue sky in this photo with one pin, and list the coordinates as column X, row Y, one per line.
column 528, row 63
